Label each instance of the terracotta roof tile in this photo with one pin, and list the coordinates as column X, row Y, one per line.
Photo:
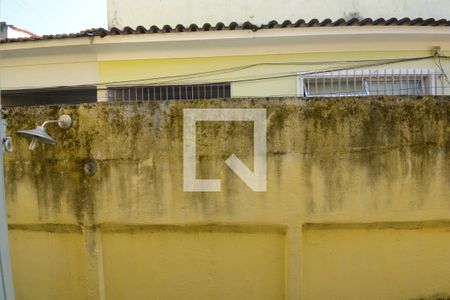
column 101, row 32
column 21, row 30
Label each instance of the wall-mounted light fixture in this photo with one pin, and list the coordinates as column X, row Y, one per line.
column 40, row 135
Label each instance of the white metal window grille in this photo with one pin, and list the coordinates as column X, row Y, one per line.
column 347, row 83
column 170, row 92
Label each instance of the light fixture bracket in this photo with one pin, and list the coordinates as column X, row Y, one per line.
column 64, row 121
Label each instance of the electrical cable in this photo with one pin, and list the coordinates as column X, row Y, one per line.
column 285, row 75
column 441, row 67
column 174, row 78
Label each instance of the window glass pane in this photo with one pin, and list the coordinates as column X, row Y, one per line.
column 396, row 87
column 335, row 87
column 373, row 82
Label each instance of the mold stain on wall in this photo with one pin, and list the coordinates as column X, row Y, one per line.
column 115, row 177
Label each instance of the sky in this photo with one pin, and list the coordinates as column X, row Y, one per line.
column 54, row 16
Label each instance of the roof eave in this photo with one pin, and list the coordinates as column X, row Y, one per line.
column 343, row 32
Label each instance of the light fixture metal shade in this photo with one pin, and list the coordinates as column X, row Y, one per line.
column 38, row 133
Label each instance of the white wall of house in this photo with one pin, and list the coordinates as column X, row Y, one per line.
column 46, row 67
column 173, row 12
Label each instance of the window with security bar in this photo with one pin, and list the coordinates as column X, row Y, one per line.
column 170, row 92
column 347, row 83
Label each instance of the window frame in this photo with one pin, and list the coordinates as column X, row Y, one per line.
column 163, row 92
column 429, row 77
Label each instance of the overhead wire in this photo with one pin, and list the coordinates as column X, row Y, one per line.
column 323, row 70
column 295, row 74
column 196, row 75
column 441, row 68
column 244, row 67
column 345, row 65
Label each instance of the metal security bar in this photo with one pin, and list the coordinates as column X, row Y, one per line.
column 347, row 83
column 170, row 92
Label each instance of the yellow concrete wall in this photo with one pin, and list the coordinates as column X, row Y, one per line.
column 407, row 262
column 357, row 203
column 256, row 66
column 194, row 265
column 48, row 265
